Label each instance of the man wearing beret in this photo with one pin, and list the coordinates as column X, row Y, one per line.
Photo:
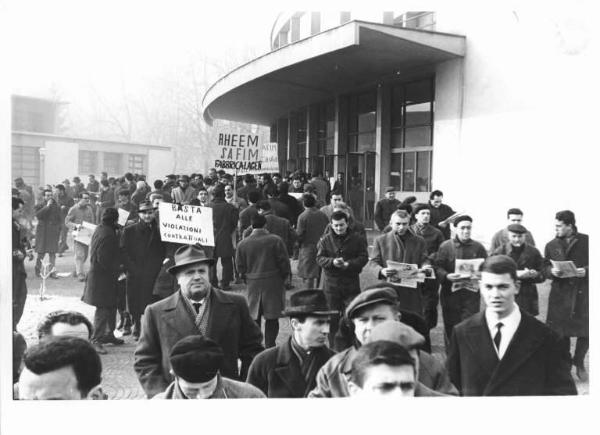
column 366, row 311
column 196, row 309
column 530, row 264
column 402, row 246
column 290, row 369
column 503, row 351
column 196, row 363
column 458, row 296
column 385, row 207
column 514, row 216
column 143, row 254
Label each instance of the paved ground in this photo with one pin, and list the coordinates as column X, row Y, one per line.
column 119, row 379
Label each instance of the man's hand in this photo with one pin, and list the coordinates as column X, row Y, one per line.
column 525, row 273
column 455, row 277
column 338, row 262
column 388, row 271
column 557, row 272
column 580, row 272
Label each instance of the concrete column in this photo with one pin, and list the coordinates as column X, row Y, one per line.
column 312, row 113
column 382, row 139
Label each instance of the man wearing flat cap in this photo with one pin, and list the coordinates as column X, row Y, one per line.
column 513, row 216
column 143, row 254
column 530, row 263
column 197, row 308
column 367, row 310
column 290, row 369
column 196, row 363
column 385, row 207
column 184, row 193
column 459, row 295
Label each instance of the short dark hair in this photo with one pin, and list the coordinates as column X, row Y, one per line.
column 337, row 192
column 284, row 187
column 339, row 215
column 248, row 178
column 499, row 265
column 128, row 176
column 436, row 193
column 309, row 200
column 565, row 216
column 124, row 192
column 83, row 192
column 270, row 190
column 254, row 196
column 258, row 221
column 264, row 205
column 514, row 211
column 16, row 202
column 158, row 184
column 219, row 192
column 104, row 182
column 60, row 187
column 44, row 328
column 379, row 352
column 58, row 352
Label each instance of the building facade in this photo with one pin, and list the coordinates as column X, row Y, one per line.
column 41, row 156
column 420, row 101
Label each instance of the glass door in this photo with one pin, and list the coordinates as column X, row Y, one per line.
column 360, row 186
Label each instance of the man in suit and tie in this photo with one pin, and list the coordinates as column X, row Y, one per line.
column 504, row 351
column 196, row 309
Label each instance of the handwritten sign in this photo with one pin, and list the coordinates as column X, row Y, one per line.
column 189, row 224
column 123, row 216
column 269, row 160
column 238, row 152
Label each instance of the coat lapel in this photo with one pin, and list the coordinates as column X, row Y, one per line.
column 221, row 310
column 480, row 344
column 177, row 318
column 523, row 344
column 288, row 370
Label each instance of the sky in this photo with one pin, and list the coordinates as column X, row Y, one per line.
column 72, row 45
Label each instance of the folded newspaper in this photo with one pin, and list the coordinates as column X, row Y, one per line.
column 84, row 233
column 451, row 219
column 568, row 268
column 469, row 273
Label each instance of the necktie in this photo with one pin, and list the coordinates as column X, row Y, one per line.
column 498, row 336
column 196, row 306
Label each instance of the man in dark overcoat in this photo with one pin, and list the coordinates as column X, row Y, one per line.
column 249, row 212
column 143, row 255
column 20, row 245
column 290, row 369
column 503, row 351
column 385, row 207
column 458, row 298
column 264, row 264
column 311, row 225
column 275, row 225
column 342, row 254
column 65, row 202
column 196, row 309
column 225, row 217
column 47, row 231
column 530, row 264
column 440, row 212
column 568, row 305
column 101, row 288
column 402, row 246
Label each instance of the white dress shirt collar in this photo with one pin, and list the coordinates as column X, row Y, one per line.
column 509, row 326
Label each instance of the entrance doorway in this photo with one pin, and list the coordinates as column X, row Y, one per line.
column 360, row 185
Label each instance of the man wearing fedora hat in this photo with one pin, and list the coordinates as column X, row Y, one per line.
column 184, row 193
column 143, row 254
column 197, row 308
column 367, row 310
column 290, row 369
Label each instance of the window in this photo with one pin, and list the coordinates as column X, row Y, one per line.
column 112, row 163
column 136, row 163
column 298, row 135
column 88, row 162
column 325, row 128
column 362, row 119
column 412, row 135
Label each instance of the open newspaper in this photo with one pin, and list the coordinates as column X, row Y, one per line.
column 568, row 268
column 407, row 275
column 469, row 273
column 451, row 219
column 84, row 233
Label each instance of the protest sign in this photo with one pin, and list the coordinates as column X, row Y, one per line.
column 238, row 152
column 269, row 160
column 189, row 224
column 84, row 233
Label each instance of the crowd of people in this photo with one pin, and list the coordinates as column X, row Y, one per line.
column 196, row 338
